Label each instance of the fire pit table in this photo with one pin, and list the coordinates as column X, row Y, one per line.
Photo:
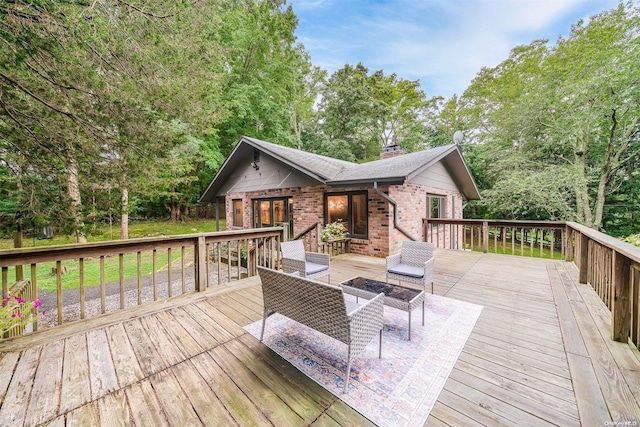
column 395, row 296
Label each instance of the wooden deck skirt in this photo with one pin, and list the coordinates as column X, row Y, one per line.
column 540, row 354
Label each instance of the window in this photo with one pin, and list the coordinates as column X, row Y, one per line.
column 237, row 213
column 273, row 212
column 351, row 209
column 435, row 206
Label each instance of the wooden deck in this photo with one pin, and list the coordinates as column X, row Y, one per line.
column 540, row 354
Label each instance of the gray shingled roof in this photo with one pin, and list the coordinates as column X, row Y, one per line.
column 399, row 167
column 334, row 170
column 321, row 166
column 391, row 171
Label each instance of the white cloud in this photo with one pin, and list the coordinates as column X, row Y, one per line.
column 442, row 43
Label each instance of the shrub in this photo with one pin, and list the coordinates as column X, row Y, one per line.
column 17, row 313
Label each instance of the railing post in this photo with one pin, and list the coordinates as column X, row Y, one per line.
column 200, row 257
column 621, row 286
column 425, row 224
column 584, row 257
column 485, row 236
column 318, row 237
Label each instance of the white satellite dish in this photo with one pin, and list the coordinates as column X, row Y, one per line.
column 457, row 137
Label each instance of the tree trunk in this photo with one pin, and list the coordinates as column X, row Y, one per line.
column 124, row 216
column 583, row 209
column 174, row 212
column 17, row 243
column 76, row 200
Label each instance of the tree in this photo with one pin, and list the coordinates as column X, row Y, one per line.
column 264, row 70
column 597, row 114
column 400, row 110
column 571, row 108
column 83, row 88
column 365, row 112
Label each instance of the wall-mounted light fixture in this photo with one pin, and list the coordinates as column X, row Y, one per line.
column 256, row 159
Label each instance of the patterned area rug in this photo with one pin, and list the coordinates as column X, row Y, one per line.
column 397, row 390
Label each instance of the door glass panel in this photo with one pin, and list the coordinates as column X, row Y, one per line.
column 278, row 212
column 265, row 213
column 237, row 213
column 256, row 214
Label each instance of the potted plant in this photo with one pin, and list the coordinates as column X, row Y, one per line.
column 334, row 231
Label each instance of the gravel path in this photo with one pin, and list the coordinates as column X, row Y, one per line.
column 71, row 297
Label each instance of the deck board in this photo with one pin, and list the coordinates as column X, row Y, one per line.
column 540, row 354
column 146, row 353
column 76, row 386
column 102, row 373
column 14, row 408
column 45, row 398
column 86, row 415
column 175, row 403
column 232, row 397
column 301, row 403
column 124, row 359
column 145, row 407
column 114, row 410
column 209, row 409
column 7, row 366
column 272, row 407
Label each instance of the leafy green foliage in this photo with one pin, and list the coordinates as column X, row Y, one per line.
column 112, row 108
column 334, row 230
column 559, row 125
column 634, row 239
column 360, row 113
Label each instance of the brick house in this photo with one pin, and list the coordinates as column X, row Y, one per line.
column 382, row 202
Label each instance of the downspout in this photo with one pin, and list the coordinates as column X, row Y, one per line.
column 395, row 212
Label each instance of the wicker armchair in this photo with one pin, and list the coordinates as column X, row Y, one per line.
column 414, row 264
column 310, row 264
column 322, row 307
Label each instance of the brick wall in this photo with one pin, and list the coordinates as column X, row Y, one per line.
column 412, row 208
column 383, row 238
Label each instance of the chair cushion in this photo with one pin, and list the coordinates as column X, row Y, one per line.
column 351, row 305
column 313, row 268
column 407, row 270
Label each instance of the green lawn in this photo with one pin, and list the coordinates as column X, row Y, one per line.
column 136, row 229
column 71, row 279
column 557, row 254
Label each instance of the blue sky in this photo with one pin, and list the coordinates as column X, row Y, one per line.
column 442, row 43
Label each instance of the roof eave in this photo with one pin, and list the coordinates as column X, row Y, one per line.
column 368, row 182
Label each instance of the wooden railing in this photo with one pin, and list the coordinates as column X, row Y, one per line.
column 612, row 268
column 312, row 238
column 543, row 239
column 95, row 278
column 609, row 265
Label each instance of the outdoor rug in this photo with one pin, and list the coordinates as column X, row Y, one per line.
column 401, row 388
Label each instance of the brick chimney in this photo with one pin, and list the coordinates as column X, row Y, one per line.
column 393, row 150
